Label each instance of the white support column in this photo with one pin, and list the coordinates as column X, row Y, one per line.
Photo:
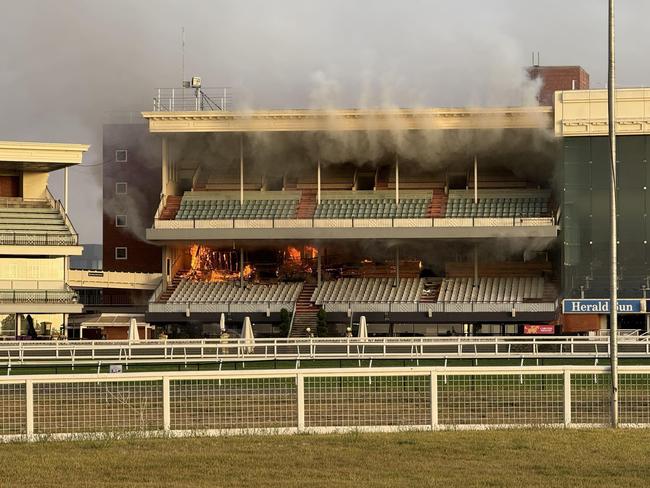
column 567, row 398
column 396, row 179
column 65, row 188
column 241, row 267
column 319, row 270
column 241, row 169
column 166, row 405
column 165, row 165
column 397, row 266
column 475, row 265
column 300, row 395
column 475, row 180
column 29, row 409
column 434, row 399
column 318, row 183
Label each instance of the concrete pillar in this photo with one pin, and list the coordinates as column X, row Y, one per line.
column 396, row 265
column 165, row 165
column 319, row 270
column 318, row 183
column 396, row 179
column 475, row 180
column 475, row 265
column 241, row 267
column 241, row 169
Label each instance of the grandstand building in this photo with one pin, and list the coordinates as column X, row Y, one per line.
column 427, row 221
column 36, row 240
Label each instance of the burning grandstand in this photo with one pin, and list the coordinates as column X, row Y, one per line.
column 418, row 227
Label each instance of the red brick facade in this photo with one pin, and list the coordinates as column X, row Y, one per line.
column 557, row 78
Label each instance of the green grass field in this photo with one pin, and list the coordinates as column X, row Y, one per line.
column 490, row 458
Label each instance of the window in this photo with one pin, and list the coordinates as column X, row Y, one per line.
column 121, row 156
column 121, row 188
column 120, row 253
column 120, row 221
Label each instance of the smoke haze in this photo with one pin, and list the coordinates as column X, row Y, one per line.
column 67, row 66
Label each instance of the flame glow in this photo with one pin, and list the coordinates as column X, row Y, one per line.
column 207, row 264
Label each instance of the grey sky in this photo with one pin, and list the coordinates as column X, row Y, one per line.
column 65, row 64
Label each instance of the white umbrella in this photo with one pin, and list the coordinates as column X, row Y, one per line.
column 363, row 328
column 222, row 323
column 133, row 330
column 247, row 334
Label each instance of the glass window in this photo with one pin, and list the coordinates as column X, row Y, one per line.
column 120, row 253
column 121, row 156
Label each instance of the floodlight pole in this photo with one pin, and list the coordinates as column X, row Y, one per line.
column 613, row 306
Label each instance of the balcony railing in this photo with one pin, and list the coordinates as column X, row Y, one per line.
column 358, row 307
column 11, row 238
column 39, row 296
column 190, row 99
column 354, row 223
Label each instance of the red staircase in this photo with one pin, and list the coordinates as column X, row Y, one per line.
column 172, row 205
column 164, row 296
column 438, row 204
column 306, row 313
column 307, row 205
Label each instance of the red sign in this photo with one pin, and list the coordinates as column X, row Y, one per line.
column 539, row 329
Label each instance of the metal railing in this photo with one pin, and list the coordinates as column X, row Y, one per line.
column 441, row 222
column 42, row 238
column 216, row 351
column 191, row 99
column 355, row 307
column 59, row 407
column 57, row 205
column 66, row 295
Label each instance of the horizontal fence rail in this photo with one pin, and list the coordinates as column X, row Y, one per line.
column 318, row 400
column 184, row 351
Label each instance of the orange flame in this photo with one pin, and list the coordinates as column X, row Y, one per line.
column 207, row 264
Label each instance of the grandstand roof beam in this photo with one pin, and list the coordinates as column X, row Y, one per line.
column 352, row 119
column 39, row 156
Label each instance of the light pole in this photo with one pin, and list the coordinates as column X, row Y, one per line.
column 613, row 303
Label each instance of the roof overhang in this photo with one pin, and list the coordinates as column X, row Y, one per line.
column 351, row 120
column 39, row 156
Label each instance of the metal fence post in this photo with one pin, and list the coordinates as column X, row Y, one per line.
column 165, row 404
column 567, row 398
column 29, row 409
column 434, row 400
column 300, row 387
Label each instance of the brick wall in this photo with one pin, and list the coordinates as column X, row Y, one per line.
column 557, row 78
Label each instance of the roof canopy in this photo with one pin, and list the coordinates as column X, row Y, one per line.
column 39, row 156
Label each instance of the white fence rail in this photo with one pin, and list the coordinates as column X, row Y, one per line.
column 320, row 400
column 184, row 351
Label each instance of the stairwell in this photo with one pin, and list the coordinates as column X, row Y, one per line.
column 307, row 205
column 170, row 289
column 306, row 313
column 438, row 204
column 172, row 205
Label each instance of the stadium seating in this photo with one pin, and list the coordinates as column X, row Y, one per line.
column 498, row 203
column 492, row 290
column 372, row 205
column 228, row 291
column 226, row 205
column 368, row 290
column 35, row 219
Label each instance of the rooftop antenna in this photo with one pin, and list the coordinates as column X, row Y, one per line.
column 538, row 58
column 183, row 53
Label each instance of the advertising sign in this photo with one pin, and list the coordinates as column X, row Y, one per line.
column 601, row 306
column 539, row 329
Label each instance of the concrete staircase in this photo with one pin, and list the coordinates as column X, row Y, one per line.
column 306, row 313
column 307, row 205
column 172, row 205
column 170, row 289
column 438, row 204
